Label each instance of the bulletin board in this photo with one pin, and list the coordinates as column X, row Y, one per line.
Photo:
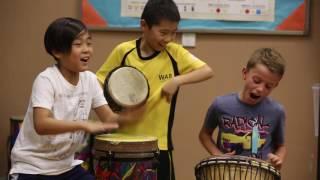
column 291, row 17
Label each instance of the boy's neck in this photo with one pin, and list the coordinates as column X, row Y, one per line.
column 145, row 49
column 71, row 77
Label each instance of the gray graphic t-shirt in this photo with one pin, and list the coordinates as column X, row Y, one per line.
column 250, row 130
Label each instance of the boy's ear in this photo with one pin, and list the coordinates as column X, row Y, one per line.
column 56, row 54
column 244, row 73
column 143, row 25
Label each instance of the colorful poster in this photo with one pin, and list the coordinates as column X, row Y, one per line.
column 228, row 10
column 284, row 17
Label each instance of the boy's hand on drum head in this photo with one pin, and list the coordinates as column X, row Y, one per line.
column 231, row 153
column 99, row 127
column 275, row 160
column 170, row 88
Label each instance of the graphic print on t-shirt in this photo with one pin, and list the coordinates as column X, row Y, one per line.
column 237, row 133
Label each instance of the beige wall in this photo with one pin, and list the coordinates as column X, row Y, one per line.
column 23, row 57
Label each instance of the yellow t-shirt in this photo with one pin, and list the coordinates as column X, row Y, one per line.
column 159, row 68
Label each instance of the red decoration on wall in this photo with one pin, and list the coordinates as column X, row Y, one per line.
column 90, row 16
column 296, row 21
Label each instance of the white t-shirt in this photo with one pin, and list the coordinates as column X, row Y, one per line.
column 54, row 154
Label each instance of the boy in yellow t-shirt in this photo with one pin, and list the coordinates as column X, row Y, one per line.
column 167, row 66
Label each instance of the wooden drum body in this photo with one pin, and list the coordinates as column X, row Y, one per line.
column 235, row 168
column 119, row 156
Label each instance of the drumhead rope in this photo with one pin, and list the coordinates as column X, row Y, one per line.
column 125, row 87
column 235, row 168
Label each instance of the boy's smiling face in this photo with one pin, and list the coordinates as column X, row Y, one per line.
column 158, row 36
column 259, row 82
column 78, row 58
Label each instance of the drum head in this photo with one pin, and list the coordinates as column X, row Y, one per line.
column 127, row 86
column 235, row 167
column 117, row 138
column 122, row 143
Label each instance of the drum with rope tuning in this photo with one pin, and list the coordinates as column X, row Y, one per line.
column 120, row 156
column 235, row 168
column 125, row 87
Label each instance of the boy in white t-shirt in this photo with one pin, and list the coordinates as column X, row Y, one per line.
column 56, row 121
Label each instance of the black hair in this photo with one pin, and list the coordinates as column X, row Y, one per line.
column 61, row 33
column 157, row 10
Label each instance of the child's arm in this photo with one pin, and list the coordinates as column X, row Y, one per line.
column 278, row 156
column 279, row 152
column 105, row 114
column 45, row 124
column 205, row 137
column 201, row 74
column 129, row 115
column 195, row 76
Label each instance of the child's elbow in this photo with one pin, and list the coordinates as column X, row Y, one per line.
column 40, row 130
column 208, row 71
column 201, row 136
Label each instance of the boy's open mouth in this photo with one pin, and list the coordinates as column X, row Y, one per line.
column 85, row 59
column 254, row 96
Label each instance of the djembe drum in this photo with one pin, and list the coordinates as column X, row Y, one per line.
column 235, row 168
column 119, row 156
column 125, row 87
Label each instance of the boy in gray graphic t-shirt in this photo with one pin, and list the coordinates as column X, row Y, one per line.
column 250, row 123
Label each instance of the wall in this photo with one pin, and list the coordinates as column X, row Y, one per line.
column 23, row 57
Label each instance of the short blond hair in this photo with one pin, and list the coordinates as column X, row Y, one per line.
column 269, row 57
